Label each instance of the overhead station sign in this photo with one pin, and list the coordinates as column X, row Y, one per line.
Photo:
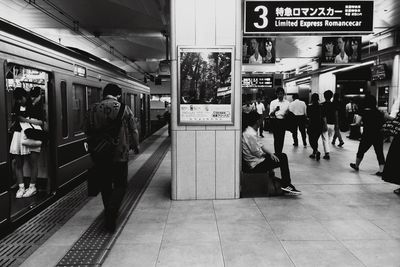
column 308, row 17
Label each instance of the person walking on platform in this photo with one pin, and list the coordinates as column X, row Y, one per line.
column 330, row 119
column 372, row 120
column 351, row 109
column 315, row 124
column 338, row 106
column 299, row 109
column 260, row 110
column 260, row 160
column 111, row 118
column 278, row 110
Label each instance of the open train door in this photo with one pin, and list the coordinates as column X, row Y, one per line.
column 27, row 77
column 4, row 162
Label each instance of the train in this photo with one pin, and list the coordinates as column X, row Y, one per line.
column 70, row 81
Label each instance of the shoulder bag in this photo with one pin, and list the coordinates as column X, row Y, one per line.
column 103, row 143
column 27, row 140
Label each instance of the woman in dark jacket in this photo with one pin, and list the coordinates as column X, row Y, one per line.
column 372, row 120
column 315, row 124
column 391, row 170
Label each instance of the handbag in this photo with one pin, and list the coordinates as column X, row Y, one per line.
column 29, row 142
column 103, row 143
column 36, row 134
column 392, row 127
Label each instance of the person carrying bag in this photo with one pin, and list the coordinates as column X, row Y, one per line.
column 112, row 131
column 103, row 142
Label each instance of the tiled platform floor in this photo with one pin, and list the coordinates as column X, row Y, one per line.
column 343, row 218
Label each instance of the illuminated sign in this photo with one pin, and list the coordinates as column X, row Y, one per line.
column 308, row 16
column 256, row 82
column 79, row 71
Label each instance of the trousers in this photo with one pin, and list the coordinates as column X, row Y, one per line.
column 268, row 164
column 114, row 181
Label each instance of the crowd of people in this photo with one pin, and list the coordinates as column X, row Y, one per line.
column 317, row 120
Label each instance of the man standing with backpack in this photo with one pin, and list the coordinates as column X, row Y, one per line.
column 112, row 132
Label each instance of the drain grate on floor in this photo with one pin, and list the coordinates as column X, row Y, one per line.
column 93, row 246
column 17, row 246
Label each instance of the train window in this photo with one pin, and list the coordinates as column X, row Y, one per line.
column 64, row 114
column 78, row 107
column 134, row 109
column 93, row 95
column 130, row 101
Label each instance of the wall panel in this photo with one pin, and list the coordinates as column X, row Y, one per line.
column 185, row 15
column 186, row 164
column 205, row 170
column 225, row 22
column 225, row 164
column 205, row 22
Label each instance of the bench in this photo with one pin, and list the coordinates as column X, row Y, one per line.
column 258, row 184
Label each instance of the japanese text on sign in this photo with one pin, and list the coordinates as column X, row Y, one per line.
column 316, row 16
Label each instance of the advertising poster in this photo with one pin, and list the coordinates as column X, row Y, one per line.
column 205, row 86
column 258, row 50
column 341, row 50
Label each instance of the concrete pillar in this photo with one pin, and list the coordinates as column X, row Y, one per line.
column 394, row 92
column 205, row 159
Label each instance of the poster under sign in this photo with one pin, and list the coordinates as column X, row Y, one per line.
column 341, row 50
column 308, row 17
column 205, row 85
column 205, row 113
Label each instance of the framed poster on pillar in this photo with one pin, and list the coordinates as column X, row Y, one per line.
column 205, row 85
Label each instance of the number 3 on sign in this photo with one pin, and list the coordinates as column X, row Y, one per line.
column 263, row 16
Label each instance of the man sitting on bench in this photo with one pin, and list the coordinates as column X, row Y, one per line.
column 260, row 160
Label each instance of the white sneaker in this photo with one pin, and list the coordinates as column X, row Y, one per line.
column 30, row 191
column 20, row 192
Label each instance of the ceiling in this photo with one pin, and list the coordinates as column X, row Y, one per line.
column 129, row 33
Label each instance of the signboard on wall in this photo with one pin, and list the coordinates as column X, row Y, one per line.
column 308, row 17
column 257, row 82
column 341, row 50
column 205, row 85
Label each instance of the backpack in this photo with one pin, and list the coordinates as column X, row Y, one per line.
column 102, row 143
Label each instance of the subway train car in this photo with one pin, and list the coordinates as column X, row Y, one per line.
column 70, row 81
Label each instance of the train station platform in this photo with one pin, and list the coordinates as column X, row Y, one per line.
column 342, row 218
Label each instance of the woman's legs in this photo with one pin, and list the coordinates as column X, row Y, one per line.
column 33, row 161
column 19, row 165
column 19, row 173
column 363, row 147
column 378, row 147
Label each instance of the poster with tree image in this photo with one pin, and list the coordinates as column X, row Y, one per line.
column 205, row 85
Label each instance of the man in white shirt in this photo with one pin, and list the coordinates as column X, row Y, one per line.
column 260, row 110
column 351, row 109
column 278, row 110
column 260, row 160
column 299, row 109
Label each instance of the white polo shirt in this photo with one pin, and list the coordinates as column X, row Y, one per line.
column 283, row 108
column 298, row 107
column 260, row 108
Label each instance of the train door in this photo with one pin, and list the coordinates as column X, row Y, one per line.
column 28, row 165
column 4, row 163
column 143, row 116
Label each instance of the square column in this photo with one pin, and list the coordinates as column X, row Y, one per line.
column 206, row 159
